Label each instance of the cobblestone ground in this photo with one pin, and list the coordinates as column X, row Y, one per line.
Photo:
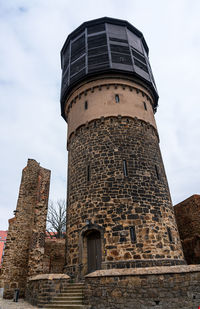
column 9, row 304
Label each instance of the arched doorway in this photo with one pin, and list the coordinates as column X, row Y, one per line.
column 93, row 250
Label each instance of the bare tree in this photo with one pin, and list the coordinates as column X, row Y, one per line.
column 56, row 219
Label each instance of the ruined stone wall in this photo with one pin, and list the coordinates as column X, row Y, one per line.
column 114, row 201
column 54, row 256
column 188, row 220
column 153, row 288
column 30, row 216
column 188, row 216
column 37, row 242
column 191, row 249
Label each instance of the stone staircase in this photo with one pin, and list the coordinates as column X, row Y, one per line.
column 71, row 298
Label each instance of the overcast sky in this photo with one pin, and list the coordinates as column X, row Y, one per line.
column 32, row 33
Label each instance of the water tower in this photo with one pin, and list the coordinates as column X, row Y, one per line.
column 119, row 210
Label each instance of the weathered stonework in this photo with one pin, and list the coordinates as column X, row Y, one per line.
column 25, row 241
column 41, row 289
column 54, row 256
column 106, row 198
column 188, row 220
column 37, row 242
column 158, row 287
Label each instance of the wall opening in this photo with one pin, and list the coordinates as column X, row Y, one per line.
column 88, row 171
column 93, row 250
column 117, row 98
column 145, row 106
column 157, row 172
column 133, row 234
column 125, row 168
column 169, row 234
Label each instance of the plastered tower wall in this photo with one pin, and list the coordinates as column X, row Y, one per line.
column 119, row 206
column 21, row 259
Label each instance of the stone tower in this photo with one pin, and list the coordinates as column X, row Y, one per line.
column 119, row 207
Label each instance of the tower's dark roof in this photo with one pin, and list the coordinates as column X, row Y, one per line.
column 105, row 46
column 109, row 20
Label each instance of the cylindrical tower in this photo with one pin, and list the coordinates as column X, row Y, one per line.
column 119, row 211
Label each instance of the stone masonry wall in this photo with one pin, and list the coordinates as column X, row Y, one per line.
column 188, row 216
column 115, row 201
column 37, row 242
column 188, row 220
column 151, row 288
column 191, row 249
column 54, row 256
column 42, row 288
column 33, row 196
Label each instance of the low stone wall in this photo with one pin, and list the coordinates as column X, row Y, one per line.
column 42, row 288
column 145, row 288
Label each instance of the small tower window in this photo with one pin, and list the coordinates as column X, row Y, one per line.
column 88, row 173
column 133, row 234
column 145, row 106
column 125, row 168
column 169, row 234
column 86, row 105
column 157, row 172
column 117, row 98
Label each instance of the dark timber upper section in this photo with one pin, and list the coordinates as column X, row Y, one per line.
column 105, row 46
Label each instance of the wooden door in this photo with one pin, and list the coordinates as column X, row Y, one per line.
column 94, row 251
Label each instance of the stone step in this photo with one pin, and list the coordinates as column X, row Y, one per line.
column 55, row 306
column 69, row 302
column 67, row 299
column 75, row 284
column 79, row 285
column 75, row 288
column 71, row 296
column 75, row 293
column 72, row 292
column 80, row 297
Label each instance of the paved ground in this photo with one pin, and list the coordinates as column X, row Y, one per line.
column 9, row 304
